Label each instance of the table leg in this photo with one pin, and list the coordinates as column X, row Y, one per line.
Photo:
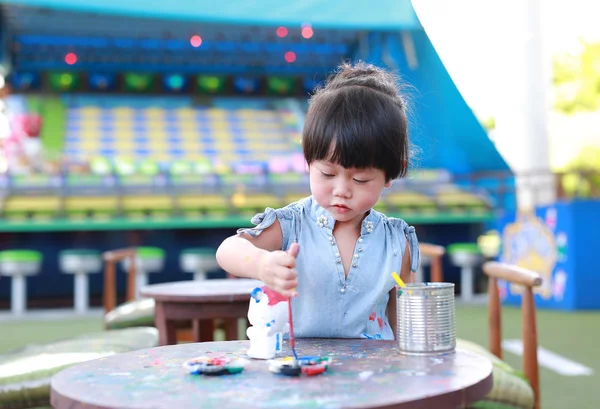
column 167, row 333
column 202, row 330
column 231, row 329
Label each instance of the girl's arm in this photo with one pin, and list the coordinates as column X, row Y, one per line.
column 408, row 277
column 241, row 254
column 405, row 274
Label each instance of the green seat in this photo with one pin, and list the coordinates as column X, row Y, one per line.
column 149, row 167
column 466, row 256
column 179, row 168
column 19, row 264
column 100, row 166
column 511, row 390
column 25, row 373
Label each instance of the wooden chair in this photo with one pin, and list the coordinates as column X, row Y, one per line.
column 109, row 294
column 436, row 253
column 527, row 279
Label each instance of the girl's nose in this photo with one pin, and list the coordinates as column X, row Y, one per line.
column 342, row 189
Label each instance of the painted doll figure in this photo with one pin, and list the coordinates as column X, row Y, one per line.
column 268, row 316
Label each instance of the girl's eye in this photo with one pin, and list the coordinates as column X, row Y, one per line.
column 360, row 181
column 327, row 175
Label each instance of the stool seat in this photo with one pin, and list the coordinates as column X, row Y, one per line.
column 80, row 261
column 198, row 261
column 20, row 262
column 464, row 254
column 147, row 260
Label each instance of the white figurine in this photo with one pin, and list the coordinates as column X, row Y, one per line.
column 268, row 316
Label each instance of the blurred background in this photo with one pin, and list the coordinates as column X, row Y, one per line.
column 164, row 126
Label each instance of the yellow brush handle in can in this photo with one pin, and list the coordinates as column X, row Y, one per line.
column 398, row 280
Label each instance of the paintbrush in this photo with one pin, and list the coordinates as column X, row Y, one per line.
column 292, row 340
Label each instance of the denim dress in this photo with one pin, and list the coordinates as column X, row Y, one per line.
column 330, row 305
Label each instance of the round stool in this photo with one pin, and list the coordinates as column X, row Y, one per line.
column 198, row 261
column 148, row 260
column 466, row 256
column 80, row 263
column 19, row 264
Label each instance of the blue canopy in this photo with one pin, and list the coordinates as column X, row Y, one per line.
column 351, row 14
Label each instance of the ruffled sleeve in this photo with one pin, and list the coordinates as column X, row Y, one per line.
column 408, row 232
column 287, row 221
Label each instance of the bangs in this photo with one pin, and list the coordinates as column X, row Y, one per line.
column 356, row 127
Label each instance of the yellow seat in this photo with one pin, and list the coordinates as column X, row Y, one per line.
column 460, row 198
column 409, row 199
column 146, row 203
column 21, row 204
column 254, row 200
column 96, row 206
column 294, row 197
column 201, row 202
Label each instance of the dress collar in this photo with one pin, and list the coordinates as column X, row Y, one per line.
column 325, row 220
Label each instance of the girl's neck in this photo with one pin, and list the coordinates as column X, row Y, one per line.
column 354, row 224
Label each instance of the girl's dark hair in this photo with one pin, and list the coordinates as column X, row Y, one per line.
column 361, row 112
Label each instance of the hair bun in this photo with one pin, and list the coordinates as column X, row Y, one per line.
column 362, row 74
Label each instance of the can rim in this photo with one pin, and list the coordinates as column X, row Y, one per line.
column 427, row 285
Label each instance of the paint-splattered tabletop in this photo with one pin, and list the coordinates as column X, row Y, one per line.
column 363, row 374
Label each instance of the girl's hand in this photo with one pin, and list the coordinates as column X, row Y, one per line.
column 276, row 270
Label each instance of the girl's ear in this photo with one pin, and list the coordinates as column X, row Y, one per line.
column 306, row 166
column 388, row 184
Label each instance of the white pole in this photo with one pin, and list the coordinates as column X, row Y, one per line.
column 141, row 280
column 18, row 296
column 81, row 293
column 522, row 112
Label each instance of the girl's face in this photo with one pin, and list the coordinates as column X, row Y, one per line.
column 347, row 194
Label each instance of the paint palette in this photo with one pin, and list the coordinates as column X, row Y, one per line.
column 210, row 366
column 309, row 365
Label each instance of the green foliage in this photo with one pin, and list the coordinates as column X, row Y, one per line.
column 582, row 178
column 577, row 80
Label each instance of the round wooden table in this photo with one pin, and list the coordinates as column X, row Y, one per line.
column 363, row 374
column 199, row 302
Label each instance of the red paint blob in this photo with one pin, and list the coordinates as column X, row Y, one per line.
column 274, row 296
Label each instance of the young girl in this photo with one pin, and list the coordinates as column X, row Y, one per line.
column 331, row 250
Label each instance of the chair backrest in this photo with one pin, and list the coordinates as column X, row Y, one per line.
column 436, row 253
column 111, row 258
column 527, row 279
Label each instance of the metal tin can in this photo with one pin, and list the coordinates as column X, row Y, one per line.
column 426, row 319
